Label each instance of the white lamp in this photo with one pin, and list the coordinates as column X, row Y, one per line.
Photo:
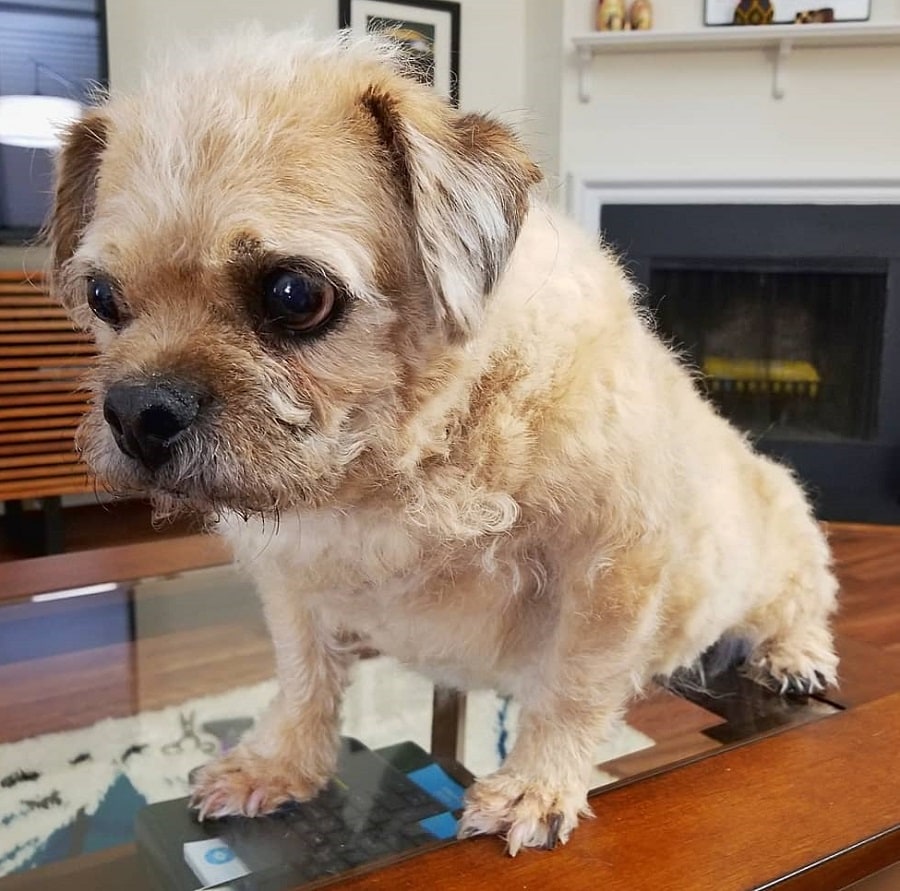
column 35, row 121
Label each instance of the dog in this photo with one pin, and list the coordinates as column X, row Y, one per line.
column 336, row 318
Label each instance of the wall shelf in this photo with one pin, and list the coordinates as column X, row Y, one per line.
column 782, row 39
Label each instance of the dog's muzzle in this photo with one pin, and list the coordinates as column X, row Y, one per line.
column 148, row 419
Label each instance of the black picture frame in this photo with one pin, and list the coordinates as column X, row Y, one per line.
column 451, row 9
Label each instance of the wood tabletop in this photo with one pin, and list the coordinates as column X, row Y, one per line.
column 811, row 808
column 123, row 563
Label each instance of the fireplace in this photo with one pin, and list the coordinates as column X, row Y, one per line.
column 790, row 315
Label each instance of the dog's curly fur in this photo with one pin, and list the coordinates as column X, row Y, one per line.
column 488, row 467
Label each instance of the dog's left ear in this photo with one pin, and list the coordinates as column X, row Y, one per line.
column 466, row 178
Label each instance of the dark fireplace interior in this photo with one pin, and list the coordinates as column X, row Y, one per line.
column 780, row 351
column 789, row 315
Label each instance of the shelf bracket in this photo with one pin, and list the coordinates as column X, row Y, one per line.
column 584, row 58
column 782, row 55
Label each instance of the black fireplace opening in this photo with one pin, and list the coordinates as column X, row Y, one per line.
column 779, row 351
column 790, row 317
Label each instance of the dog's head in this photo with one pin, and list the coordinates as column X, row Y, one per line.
column 273, row 245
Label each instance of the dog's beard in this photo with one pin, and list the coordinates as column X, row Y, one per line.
column 207, row 476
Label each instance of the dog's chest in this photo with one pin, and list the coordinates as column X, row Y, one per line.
column 373, row 575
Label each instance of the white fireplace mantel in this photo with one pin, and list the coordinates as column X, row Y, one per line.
column 586, row 193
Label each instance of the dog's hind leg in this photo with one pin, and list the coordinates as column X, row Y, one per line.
column 537, row 796
column 572, row 695
column 793, row 646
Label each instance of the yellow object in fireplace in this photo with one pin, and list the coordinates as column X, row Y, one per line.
column 789, row 377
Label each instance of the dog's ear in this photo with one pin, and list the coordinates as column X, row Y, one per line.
column 76, row 182
column 466, row 178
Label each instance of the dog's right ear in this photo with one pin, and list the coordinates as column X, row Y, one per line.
column 76, row 184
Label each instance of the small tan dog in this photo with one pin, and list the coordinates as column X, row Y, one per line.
column 322, row 295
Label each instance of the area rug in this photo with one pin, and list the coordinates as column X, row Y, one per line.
column 70, row 793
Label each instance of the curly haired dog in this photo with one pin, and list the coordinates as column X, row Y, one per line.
column 322, row 295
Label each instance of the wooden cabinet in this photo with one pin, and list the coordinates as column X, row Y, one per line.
column 43, row 361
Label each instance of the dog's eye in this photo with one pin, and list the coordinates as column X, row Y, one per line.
column 101, row 297
column 296, row 302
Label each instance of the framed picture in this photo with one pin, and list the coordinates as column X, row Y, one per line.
column 428, row 30
column 721, row 12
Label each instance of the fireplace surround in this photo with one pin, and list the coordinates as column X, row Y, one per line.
column 788, row 306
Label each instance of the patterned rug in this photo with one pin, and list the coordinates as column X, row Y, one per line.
column 70, row 793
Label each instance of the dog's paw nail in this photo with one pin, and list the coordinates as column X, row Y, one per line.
column 255, row 802
column 554, row 824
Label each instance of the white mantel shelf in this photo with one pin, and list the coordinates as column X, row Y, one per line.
column 780, row 38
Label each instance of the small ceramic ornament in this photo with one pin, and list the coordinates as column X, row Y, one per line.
column 640, row 15
column 611, row 15
column 754, row 12
column 814, row 16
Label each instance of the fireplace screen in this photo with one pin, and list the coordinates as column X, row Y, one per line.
column 794, row 354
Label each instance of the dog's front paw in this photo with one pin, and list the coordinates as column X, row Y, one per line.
column 245, row 783
column 531, row 813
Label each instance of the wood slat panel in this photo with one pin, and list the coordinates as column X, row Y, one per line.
column 71, row 485
column 40, row 338
column 51, row 349
column 37, row 446
column 40, row 459
column 38, row 328
column 13, row 400
column 56, row 437
column 34, row 312
column 56, row 385
column 42, row 360
column 18, row 292
column 47, row 423
column 66, row 375
column 50, row 363
column 42, row 472
column 40, row 412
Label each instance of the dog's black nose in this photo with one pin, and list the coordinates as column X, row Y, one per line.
column 148, row 419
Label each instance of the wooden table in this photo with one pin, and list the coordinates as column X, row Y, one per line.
column 812, row 808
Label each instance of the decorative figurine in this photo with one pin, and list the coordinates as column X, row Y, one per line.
column 814, row 17
column 640, row 15
column 754, row 12
column 611, row 15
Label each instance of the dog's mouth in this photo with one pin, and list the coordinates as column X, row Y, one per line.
column 205, row 475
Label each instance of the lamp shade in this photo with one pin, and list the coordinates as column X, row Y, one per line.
column 35, row 121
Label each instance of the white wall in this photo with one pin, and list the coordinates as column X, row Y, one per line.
column 492, row 66
column 543, row 83
column 712, row 115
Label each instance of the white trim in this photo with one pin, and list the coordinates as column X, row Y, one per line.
column 782, row 38
column 586, row 194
